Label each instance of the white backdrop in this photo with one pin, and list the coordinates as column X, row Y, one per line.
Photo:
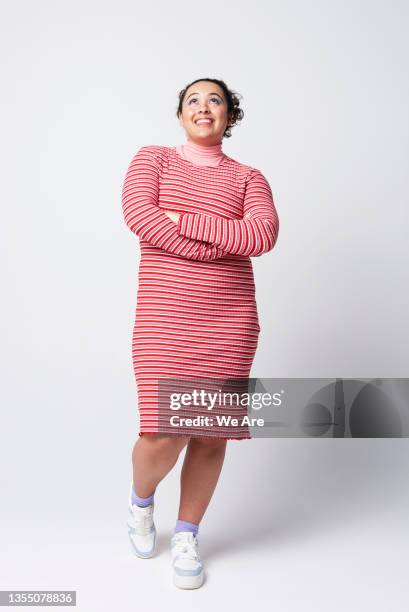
column 325, row 96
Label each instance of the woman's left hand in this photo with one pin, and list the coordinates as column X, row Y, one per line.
column 172, row 214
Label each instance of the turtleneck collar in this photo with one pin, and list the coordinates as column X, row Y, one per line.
column 202, row 155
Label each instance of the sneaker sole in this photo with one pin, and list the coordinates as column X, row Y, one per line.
column 140, row 553
column 188, row 582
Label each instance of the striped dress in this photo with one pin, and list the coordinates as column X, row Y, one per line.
column 196, row 321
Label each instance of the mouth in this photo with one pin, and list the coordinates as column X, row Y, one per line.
column 204, row 121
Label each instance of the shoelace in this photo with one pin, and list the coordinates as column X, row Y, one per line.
column 185, row 548
column 143, row 522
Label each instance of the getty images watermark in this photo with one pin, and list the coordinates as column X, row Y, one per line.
column 285, row 407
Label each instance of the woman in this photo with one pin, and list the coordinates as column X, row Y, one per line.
column 200, row 215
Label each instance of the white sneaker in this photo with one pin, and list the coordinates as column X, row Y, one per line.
column 188, row 571
column 141, row 528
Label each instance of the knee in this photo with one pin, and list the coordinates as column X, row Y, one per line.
column 166, row 447
column 209, row 445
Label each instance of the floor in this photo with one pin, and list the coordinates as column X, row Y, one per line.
column 328, row 530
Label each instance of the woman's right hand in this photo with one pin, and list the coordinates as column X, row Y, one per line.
column 173, row 215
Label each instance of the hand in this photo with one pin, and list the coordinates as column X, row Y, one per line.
column 173, row 215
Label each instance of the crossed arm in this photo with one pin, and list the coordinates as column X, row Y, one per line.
column 144, row 218
column 195, row 235
column 256, row 233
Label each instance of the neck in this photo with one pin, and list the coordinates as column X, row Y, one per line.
column 202, row 155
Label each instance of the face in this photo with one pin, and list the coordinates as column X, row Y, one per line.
column 204, row 101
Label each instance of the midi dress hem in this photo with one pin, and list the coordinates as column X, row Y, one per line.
column 144, row 433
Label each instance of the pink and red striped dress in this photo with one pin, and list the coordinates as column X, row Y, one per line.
column 196, row 313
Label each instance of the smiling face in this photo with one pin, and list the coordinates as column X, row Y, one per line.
column 204, row 113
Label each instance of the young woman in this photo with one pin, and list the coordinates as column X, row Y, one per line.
column 200, row 216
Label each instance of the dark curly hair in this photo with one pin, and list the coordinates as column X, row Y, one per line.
column 235, row 113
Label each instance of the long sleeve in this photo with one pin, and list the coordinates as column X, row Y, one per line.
column 256, row 233
column 144, row 217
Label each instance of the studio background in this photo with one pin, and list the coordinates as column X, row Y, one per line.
column 317, row 523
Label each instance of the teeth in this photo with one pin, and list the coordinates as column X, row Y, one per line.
column 203, row 121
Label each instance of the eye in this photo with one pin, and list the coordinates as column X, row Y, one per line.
column 214, row 98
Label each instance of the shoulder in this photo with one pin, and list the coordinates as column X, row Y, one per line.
column 158, row 152
column 150, row 157
column 250, row 173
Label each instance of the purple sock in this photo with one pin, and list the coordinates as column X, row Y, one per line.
column 142, row 502
column 186, row 526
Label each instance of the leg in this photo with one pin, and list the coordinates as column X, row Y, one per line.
column 201, row 468
column 153, row 456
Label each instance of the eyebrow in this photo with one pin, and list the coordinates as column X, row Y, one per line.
column 213, row 93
